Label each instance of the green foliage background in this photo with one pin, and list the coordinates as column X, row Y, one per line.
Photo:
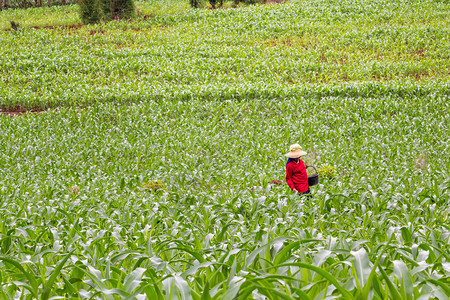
column 298, row 48
column 208, row 102
column 97, row 11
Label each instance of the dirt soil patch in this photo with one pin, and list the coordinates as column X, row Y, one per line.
column 73, row 26
column 19, row 112
column 275, row 1
column 276, row 182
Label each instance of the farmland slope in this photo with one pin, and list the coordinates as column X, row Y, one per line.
column 207, row 102
column 298, row 48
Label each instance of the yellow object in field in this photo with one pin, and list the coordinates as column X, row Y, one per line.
column 326, row 171
column 154, row 185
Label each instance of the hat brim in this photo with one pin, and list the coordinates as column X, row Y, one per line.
column 295, row 154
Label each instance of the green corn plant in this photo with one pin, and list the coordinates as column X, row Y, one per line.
column 91, row 115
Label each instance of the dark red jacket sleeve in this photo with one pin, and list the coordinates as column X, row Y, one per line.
column 289, row 171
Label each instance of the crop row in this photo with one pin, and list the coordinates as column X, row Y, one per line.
column 286, row 46
column 77, row 223
column 205, row 103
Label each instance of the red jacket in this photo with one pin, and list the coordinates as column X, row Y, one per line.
column 296, row 176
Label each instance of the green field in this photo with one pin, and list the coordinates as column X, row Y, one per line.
column 207, row 102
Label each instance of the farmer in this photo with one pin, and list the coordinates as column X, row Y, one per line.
column 296, row 176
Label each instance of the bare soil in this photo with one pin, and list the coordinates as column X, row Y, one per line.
column 73, row 26
column 276, row 182
column 275, row 1
column 19, row 112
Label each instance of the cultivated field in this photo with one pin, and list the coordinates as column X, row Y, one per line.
column 208, row 102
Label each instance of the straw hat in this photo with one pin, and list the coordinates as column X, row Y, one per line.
column 295, row 151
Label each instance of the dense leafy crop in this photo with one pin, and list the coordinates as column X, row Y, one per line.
column 309, row 48
column 206, row 104
column 380, row 228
